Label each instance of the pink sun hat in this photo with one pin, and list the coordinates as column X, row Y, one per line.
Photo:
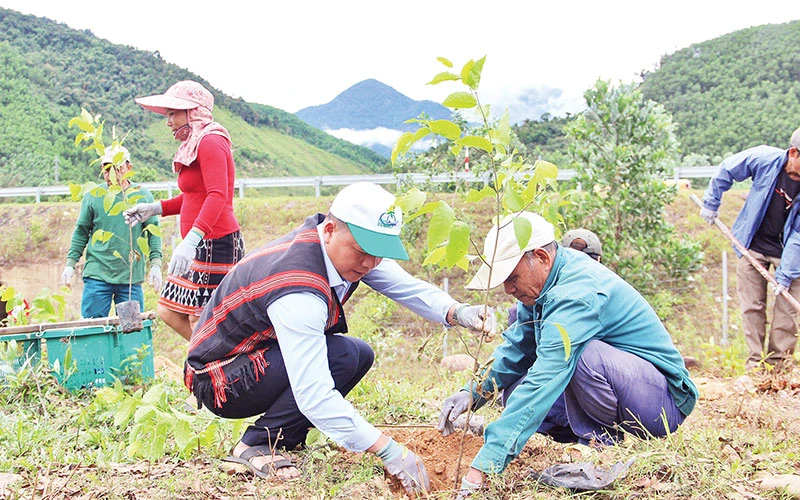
column 183, row 95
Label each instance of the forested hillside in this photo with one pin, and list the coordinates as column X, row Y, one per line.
column 48, row 71
column 726, row 94
column 733, row 92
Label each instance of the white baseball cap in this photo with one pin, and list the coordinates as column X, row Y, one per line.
column 112, row 151
column 373, row 220
column 508, row 253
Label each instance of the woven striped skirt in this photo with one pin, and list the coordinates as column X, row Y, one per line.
column 188, row 294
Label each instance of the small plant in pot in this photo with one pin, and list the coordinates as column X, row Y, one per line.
column 118, row 194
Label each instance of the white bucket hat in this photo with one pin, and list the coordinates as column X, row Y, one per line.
column 508, row 252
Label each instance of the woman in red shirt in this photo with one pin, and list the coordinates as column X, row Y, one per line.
column 212, row 241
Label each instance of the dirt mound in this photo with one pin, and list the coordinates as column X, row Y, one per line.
column 439, row 454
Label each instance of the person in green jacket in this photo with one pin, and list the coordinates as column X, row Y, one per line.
column 106, row 276
column 619, row 373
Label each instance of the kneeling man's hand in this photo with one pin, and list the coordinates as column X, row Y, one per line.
column 453, row 406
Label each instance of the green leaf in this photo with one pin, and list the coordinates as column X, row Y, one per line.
column 523, row 231
column 459, row 243
column 544, row 170
column 125, row 412
column 435, row 256
column 402, row 145
column 82, row 124
column 471, row 73
column 501, row 134
column 564, row 338
column 428, row 208
column 460, row 100
column 463, row 263
column 153, row 229
column 446, row 128
column 445, row 61
column 117, row 208
column 410, row 201
column 441, row 222
column 474, row 196
column 144, row 246
column 475, row 141
column 155, row 394
column 513, row 200
column 75, row 191
column 101, row 236
column 108, row 200
column 444, row 76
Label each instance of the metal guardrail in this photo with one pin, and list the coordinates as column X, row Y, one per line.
column 332, row 180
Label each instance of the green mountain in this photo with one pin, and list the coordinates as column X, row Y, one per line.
column 725, row 95
column 368, row 105
column 48, row 72
column 733, row 92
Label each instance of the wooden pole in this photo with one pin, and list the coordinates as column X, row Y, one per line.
column 41, row 327
column 746, row 254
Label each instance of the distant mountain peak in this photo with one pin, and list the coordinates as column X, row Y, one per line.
column 368, row 105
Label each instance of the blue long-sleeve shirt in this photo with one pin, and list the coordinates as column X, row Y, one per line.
column 762, row 164
column 587, row 301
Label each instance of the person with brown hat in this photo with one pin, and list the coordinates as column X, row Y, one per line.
column 618, row 373
column 212, row 240
column 767, row 225
column 106, row 278
column 271, row 340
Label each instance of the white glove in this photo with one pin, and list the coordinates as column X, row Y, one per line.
column 708, row 215
column 467, row 489
column 479, row 319
column 403, row 464
column 66, row 276
column 141, row 212
column 184, row 254
column 154, row 277
column 778, row 289
column 452, row 407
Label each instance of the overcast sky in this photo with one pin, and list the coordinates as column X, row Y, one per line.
column 298, row 53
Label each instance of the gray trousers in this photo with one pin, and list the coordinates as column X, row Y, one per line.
column 752, row 289
column 611, row 392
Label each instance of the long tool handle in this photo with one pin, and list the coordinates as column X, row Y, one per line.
column 746, row 254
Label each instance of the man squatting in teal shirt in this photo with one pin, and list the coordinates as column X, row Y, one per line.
column 621, row 375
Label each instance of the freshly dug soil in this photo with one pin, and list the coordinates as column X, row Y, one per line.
column 439, row 454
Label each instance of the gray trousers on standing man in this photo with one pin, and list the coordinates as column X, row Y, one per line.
column 752, row 288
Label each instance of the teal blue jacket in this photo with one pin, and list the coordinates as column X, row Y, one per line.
column 584, row 300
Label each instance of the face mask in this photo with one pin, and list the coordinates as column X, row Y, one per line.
column 182, row 133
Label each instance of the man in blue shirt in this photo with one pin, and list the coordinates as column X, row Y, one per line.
column 768, row 227
column 587, row 360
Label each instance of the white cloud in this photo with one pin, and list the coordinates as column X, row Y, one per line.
column 381, row 135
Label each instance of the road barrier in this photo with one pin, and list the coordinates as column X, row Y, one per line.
column 317, row 182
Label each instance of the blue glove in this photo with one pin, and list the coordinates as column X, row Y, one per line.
column 184, row 254
column 708, row 215
column 141, row 212
column 453, row 406
column 403, row 464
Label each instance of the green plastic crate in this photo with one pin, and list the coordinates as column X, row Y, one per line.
column 100, row 353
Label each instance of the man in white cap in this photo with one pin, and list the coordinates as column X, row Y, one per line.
column 767, row 226
column 105, row 276
column 618, row 373
column 271, row 341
